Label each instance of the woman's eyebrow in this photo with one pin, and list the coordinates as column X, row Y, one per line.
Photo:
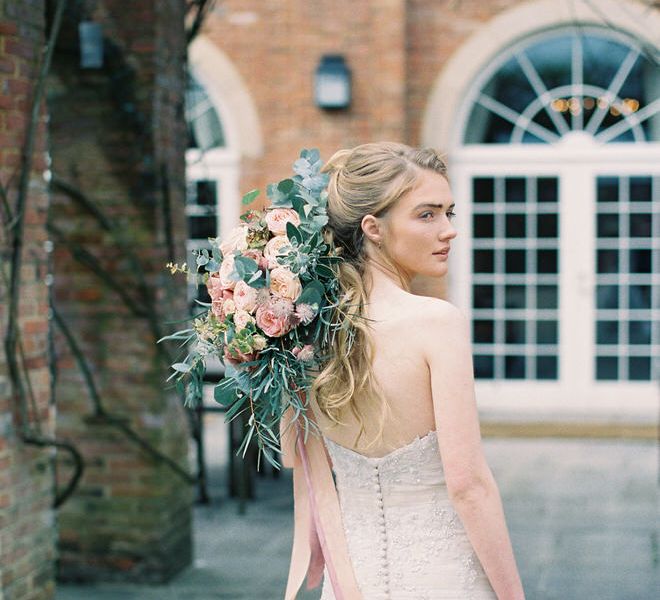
column 430, row 204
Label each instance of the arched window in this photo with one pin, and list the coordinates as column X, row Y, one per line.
column 559, row 165
column 587, row 80
column 203, row 125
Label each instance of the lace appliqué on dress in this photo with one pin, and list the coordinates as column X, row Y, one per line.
column 404, row 537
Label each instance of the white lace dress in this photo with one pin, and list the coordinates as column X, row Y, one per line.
column 404, row 538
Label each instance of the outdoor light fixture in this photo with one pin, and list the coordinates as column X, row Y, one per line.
column 91, row 45
column 332, row 82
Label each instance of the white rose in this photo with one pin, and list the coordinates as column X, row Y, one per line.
column 285, row 284
column 242, row 318
column 236, row 240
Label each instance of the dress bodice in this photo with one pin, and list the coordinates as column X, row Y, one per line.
column 404, row 538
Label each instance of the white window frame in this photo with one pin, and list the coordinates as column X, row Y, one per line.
column 577, row 160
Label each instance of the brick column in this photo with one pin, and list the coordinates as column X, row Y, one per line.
column 27, row 540
column 118, row 142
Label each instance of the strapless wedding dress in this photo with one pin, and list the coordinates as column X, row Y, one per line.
column 404, row 538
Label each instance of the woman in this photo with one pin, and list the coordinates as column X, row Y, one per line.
column 420, row 510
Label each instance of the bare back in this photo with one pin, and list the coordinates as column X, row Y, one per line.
column 402, row 371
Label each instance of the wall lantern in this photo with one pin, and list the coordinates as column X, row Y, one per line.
column 332, row 82
column 91, row 45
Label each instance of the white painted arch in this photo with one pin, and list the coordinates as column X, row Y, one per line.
column 441, row 125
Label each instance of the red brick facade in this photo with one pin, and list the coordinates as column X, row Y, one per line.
column 27, row 536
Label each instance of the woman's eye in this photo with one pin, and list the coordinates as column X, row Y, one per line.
column 424, row 215
column 451, row 214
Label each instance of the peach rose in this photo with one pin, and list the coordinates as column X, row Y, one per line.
column 236, row 240
column 277, row 218
column 226, row 269
column 245, row 297
column 273, row 317
column 216, row 309
column 242, row 318
column 273, row 247
column 285, row 284
column 229, row 307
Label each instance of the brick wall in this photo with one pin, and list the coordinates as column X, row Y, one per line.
column 395, row 50
column 117, row 141
column 26, row 517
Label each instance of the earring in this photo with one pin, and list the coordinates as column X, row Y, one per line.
column 380, row 245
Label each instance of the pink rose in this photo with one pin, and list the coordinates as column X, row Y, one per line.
column 274, row 317
column 226, row 268
column 229, row 307
column 245, row 296
column 285, row 284
column 277, row 218
column 216, row 309
column 273, row 247
column 214, row 286
column 258, row 257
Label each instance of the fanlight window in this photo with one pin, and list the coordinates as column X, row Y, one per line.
column 580, row 80
column 204, row 127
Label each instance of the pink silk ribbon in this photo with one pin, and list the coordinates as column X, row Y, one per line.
column 318, row 535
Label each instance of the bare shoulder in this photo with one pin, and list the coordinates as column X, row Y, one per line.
column 440, row 323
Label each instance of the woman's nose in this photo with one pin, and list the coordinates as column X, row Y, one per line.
column 449, row 232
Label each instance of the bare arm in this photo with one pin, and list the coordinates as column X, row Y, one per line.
column 472, row 488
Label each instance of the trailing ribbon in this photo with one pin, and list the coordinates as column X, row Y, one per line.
column 318, row 535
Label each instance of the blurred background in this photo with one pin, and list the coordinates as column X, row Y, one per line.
column 129, row 132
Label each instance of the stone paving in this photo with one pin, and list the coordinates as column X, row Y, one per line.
column 583, row 517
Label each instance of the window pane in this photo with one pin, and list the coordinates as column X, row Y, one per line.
column 514, row 367
column 608, row 189
column 546, row 332
column 483, row 189
column 514, row 332
column 639, row 368
column 514, row 261
column 514, row 189
column 640, row 225
column 640, row 189
column 607, row 332
column 546, row 261
column 546, row 189
column 639, row 332
column 201, row 227
column 546, row 367
column 514, row 296
column 608, row 261
column 483, row 296
column 640, row 261
column 515, row 226
column 546, row 226
column 484, row 261
column 607, row 296
column 639, row 296
column 607, row 368
column 484, row 367
column 608, row 226
column 547, row 296
column 484, row 332
column 484, row 226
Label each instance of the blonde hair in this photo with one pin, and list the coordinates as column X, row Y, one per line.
column 367, row 179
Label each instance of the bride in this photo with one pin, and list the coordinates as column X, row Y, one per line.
column 419, row 515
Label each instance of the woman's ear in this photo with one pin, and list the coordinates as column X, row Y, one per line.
column 372, row 228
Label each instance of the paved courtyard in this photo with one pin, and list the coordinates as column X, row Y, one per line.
column 583, row 517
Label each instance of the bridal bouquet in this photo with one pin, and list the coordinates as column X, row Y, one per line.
column 272, row 287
